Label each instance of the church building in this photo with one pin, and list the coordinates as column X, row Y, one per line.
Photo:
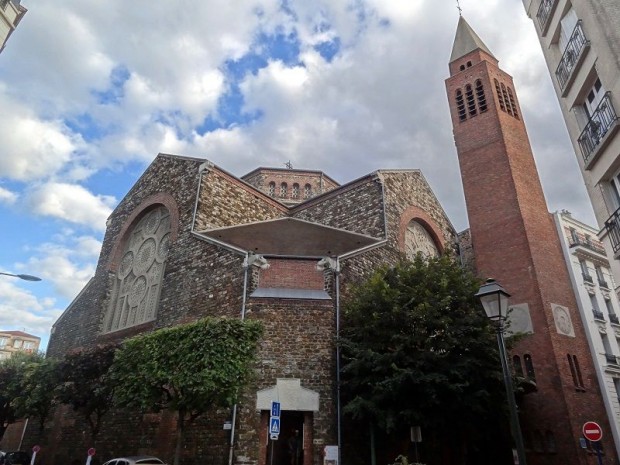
column 190, row 240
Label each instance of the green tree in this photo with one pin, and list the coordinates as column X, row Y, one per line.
column 39, row 379
column 418, row 350
column 86, row 384
column 188, row 369
column 11, row 375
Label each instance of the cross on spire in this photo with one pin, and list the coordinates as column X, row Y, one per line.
column 289, row 165
column 458, row 7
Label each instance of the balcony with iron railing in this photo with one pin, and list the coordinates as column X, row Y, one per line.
column 611, row 359
column 612, row 226
column 571, row 58
column 544, row 14
column 587, row 278
column 601, row 126
column 603, row 283
column 598, row 315
column 593, row 246
column 613, row 318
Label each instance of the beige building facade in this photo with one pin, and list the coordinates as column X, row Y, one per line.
column 580, row 40
column 16, row 341
column 11, row 13
column 593, row 284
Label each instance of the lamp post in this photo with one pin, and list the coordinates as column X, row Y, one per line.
column 494, row 299
column 25, row 277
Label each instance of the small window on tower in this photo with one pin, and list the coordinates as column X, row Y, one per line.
column 468, row 64
column 529, row 367
column 471, row 104
column 500, row 97
column 460, row 105
column 283, row 189
column 516, row 365
column 295, row 193
column 272, row 189
column 482, row 100
column 462, row 67
column 513, row 104
column 508, row 107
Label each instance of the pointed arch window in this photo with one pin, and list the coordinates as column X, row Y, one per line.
column 529, row 367
column 137, row 282
column 516, row 365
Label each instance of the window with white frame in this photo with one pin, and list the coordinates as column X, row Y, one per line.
column 567, row 27
column 28, row 345
column 17, row 343
column 3, row 341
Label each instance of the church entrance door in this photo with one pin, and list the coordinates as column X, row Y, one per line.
column 289, row 448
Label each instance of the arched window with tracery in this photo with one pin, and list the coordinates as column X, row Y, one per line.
column 513, row 104
column 137, row 282
column 295, row 192
column 307, row 191
column 283, row 190
column 272, row 189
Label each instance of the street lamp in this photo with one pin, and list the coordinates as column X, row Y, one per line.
column 494, row 299
column 25, row 277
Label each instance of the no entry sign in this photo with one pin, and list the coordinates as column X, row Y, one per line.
column 592, row 431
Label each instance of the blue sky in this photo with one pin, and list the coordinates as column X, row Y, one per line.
column 91, row 96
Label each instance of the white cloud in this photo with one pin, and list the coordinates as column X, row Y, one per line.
column 71, row 202
column 6, row 196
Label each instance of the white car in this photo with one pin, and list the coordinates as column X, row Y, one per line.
column 136, row 460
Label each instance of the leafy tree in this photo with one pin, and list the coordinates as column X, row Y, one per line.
column 11, row 374
column 189, row 369
column 418, row 350
column 38, row 382
column 86, row 384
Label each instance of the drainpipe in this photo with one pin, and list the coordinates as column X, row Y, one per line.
column 246, row 268
column 338, row 414
column 248, row 262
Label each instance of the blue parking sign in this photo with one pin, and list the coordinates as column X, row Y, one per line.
column 275, row 409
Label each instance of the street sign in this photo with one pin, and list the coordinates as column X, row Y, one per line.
column 91, row 452
column 275, row 409
column 274, row 426
column 36, row 449
column 273, row 437
column 592, row 431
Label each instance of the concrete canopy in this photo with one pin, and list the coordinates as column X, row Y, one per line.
column 291, row 237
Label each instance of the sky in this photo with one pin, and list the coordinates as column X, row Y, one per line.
column 91, row 91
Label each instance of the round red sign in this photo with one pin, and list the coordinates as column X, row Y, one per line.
column 592, row 431
column 91, row 451
column 36, row 449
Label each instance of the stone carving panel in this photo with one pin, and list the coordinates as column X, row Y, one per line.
column 563, row 322
column 519, row 320
column 138, row 279
column 417, row 239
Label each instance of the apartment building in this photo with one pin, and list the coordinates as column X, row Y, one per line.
column 598, row 305
column 580, row 40
column 15, row 341
column 11, row 13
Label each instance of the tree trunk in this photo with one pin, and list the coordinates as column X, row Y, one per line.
column 180, row 436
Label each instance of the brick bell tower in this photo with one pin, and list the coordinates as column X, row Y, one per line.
column 514, row 241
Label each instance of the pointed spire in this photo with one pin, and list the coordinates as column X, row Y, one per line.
column 466, row 41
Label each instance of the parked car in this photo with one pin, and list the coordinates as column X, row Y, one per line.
column 18, row 457
column 136, row 460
